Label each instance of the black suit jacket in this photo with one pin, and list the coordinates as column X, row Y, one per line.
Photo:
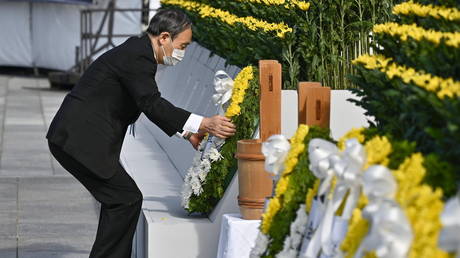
column 92, row 120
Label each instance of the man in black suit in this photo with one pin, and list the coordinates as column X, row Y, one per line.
column 88, row 130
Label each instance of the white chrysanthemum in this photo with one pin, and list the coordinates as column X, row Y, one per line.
column 203, row 170
column 205, row 165
column 214, row 154
column 196, row 185
column 202, row 175
column 196, row 174
column 260, row 246
column 297, row 230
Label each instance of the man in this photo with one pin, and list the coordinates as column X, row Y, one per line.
column 87, row 132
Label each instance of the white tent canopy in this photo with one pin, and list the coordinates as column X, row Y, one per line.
column 45, row 34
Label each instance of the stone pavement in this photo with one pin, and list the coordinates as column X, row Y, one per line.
column 44, row 211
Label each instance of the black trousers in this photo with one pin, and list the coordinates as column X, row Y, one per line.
column 121, row 202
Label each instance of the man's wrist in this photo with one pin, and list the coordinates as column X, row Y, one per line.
column 203, row 126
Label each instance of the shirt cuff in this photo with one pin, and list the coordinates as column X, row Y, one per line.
column 193, row 123
column 180, row 135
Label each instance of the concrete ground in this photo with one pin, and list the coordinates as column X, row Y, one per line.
column 44, row 211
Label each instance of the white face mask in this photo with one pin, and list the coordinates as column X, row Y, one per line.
column 177, row 55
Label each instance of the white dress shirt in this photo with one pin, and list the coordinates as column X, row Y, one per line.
column 191, row 125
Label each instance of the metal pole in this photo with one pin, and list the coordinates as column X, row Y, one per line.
column 110, row 25
column 81, row 42
column 101, row 26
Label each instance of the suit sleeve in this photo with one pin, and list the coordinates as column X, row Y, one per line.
column 138, row 76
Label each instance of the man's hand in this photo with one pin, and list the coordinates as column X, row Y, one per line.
column 196, row 139
column 219, row 126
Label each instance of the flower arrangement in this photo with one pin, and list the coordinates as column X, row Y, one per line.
column 314, row 40
column 249, row 22
column 443, row 87
column 420, row 202
column 240, row 86
column 213, row 169
column 297, row 147
column 404, row 31
column 437, row 12
column 411, row 84
column 282, row 222
column 302, row 5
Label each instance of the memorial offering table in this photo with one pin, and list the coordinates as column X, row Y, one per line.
column 237, row 236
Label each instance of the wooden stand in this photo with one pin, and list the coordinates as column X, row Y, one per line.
column 270, row 98
column 314, row 104
column 254, row 182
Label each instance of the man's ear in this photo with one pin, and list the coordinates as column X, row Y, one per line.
column 163, row 37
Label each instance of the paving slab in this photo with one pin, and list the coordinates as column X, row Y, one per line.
column 8, row 247
column 44, row 211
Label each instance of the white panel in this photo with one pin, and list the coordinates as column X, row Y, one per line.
column 344, row 114
column 56, row 33
column 15, row 44
column 289, row 111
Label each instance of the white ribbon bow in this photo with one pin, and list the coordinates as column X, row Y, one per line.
column 322, row 154
column 326, row 162
column 275, row 150
column 348, row 170
column 449, row 239
column 223, row 85
column 390, row 234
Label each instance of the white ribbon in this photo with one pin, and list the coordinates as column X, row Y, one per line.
column 348, row 171
column 325, row 162
column 449, row 239
column 321, row 154
column 223, row 84
column 390, row 233
column 275, row 150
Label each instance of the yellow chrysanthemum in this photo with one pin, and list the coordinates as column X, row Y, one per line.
column 438, row 12
column 206, row 11
column 353, row 133
column 240, row 85
column 377, row 150
column 404, row 31
column 357, row 230
column 443, row 87
column 297, row 147
column 281, row 186
column 422, row 206
column 302, row 5
column 273, row 207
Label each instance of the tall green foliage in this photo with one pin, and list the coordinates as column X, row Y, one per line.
column 324, row 40
column 404, row 109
